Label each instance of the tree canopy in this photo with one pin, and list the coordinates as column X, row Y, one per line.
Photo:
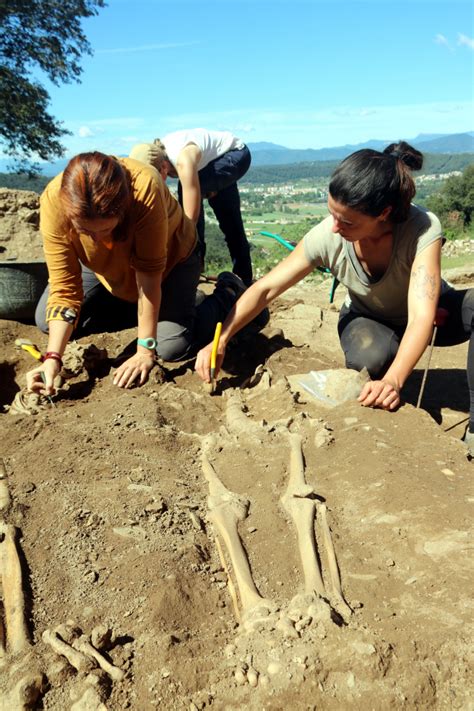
column 45, row 35
column 454, row 204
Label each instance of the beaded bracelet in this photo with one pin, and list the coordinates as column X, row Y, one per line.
column 53, row 356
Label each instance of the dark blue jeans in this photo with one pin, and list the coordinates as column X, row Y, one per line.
column 220, row 176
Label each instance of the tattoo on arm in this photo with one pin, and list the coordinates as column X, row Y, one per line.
column 424, row 283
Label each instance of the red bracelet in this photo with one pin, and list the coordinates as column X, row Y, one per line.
column 53, row 356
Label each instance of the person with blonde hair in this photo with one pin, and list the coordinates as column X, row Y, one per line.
column 121, row 253
column 208, row 164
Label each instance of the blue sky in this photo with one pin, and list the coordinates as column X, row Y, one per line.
column 301, row 73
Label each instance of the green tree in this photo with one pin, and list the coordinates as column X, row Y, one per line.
column 45, row 35
column 454, row 204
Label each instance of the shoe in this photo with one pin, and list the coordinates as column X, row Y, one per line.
column 232, row 283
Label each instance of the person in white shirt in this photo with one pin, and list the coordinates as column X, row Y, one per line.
column 208, row 164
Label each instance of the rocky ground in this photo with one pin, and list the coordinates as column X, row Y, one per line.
column 180, row 533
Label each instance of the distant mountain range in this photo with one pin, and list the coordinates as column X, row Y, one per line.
column 264, row 153
column 268, row 154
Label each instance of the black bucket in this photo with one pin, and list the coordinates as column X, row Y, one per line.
column 21, row 286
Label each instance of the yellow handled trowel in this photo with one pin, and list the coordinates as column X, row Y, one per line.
column 29, row 347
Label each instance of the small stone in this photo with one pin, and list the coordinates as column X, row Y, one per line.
column 364, row 648
column 274, row 668
column 240, row 676
column 389, row 562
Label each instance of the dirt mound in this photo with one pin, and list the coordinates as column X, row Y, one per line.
column 19, row 226
column 181, row 533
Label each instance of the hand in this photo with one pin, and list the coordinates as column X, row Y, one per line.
column 139, row 365
column 203, row 362
column 380, row 393
column 34, row 379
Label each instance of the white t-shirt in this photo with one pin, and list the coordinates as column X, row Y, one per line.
column 212, row 144
column 384, row 298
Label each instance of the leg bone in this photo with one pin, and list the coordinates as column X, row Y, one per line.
column 13, row 598
column 226, row 509
column 302, row 509
column 342, row 605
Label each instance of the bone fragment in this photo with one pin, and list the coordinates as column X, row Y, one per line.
column 226, row 509
column 25, row 693
column 5, row 498
column 27, row 403
column 75, row 658
column 2, row 642
column 230, row 583
column 240, row 676
column 13, row 598
column 237, row 421
column 252, row 676
column 342, row 605
column 89, row 701
column 101, row 637
column 83, row 645
column 286, row 627
column 302, row 510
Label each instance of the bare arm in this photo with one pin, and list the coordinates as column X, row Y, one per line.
column 149, row 300
column 187, row 169
column 59, row 334
column 291, row 270
column 423, row 295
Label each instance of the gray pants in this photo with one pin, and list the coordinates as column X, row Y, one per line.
column 182, row 326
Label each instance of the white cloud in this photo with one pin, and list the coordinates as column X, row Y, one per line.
column 466, row 41
column 146, row 48
column 85, row 132
column 442, row 40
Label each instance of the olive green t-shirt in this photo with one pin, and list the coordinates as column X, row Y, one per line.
column 386, row 297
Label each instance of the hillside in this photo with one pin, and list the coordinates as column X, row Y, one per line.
column 265, row 153
column 276, row 173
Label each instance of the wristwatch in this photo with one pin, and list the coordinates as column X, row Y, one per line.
column 149, row 343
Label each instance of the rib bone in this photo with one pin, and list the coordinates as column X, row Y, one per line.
column 226, row 509
column 301, row 508
column 13, row 599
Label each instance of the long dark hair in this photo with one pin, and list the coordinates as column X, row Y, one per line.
column 93, row 186
column 369, row 181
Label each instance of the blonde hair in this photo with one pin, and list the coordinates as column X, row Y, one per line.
column 150, row 153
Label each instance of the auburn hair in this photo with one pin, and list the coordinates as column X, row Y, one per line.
column 94, row 186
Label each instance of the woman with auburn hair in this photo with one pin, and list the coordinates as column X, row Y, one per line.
column 121, row 252
column 386, row 251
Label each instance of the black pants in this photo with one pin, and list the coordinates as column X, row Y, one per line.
column 182, row 327
column 220, row 176
column 372, row 343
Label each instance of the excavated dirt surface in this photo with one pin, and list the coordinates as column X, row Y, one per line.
column 110, row 505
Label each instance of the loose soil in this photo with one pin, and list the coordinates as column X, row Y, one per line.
column 110, row 505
